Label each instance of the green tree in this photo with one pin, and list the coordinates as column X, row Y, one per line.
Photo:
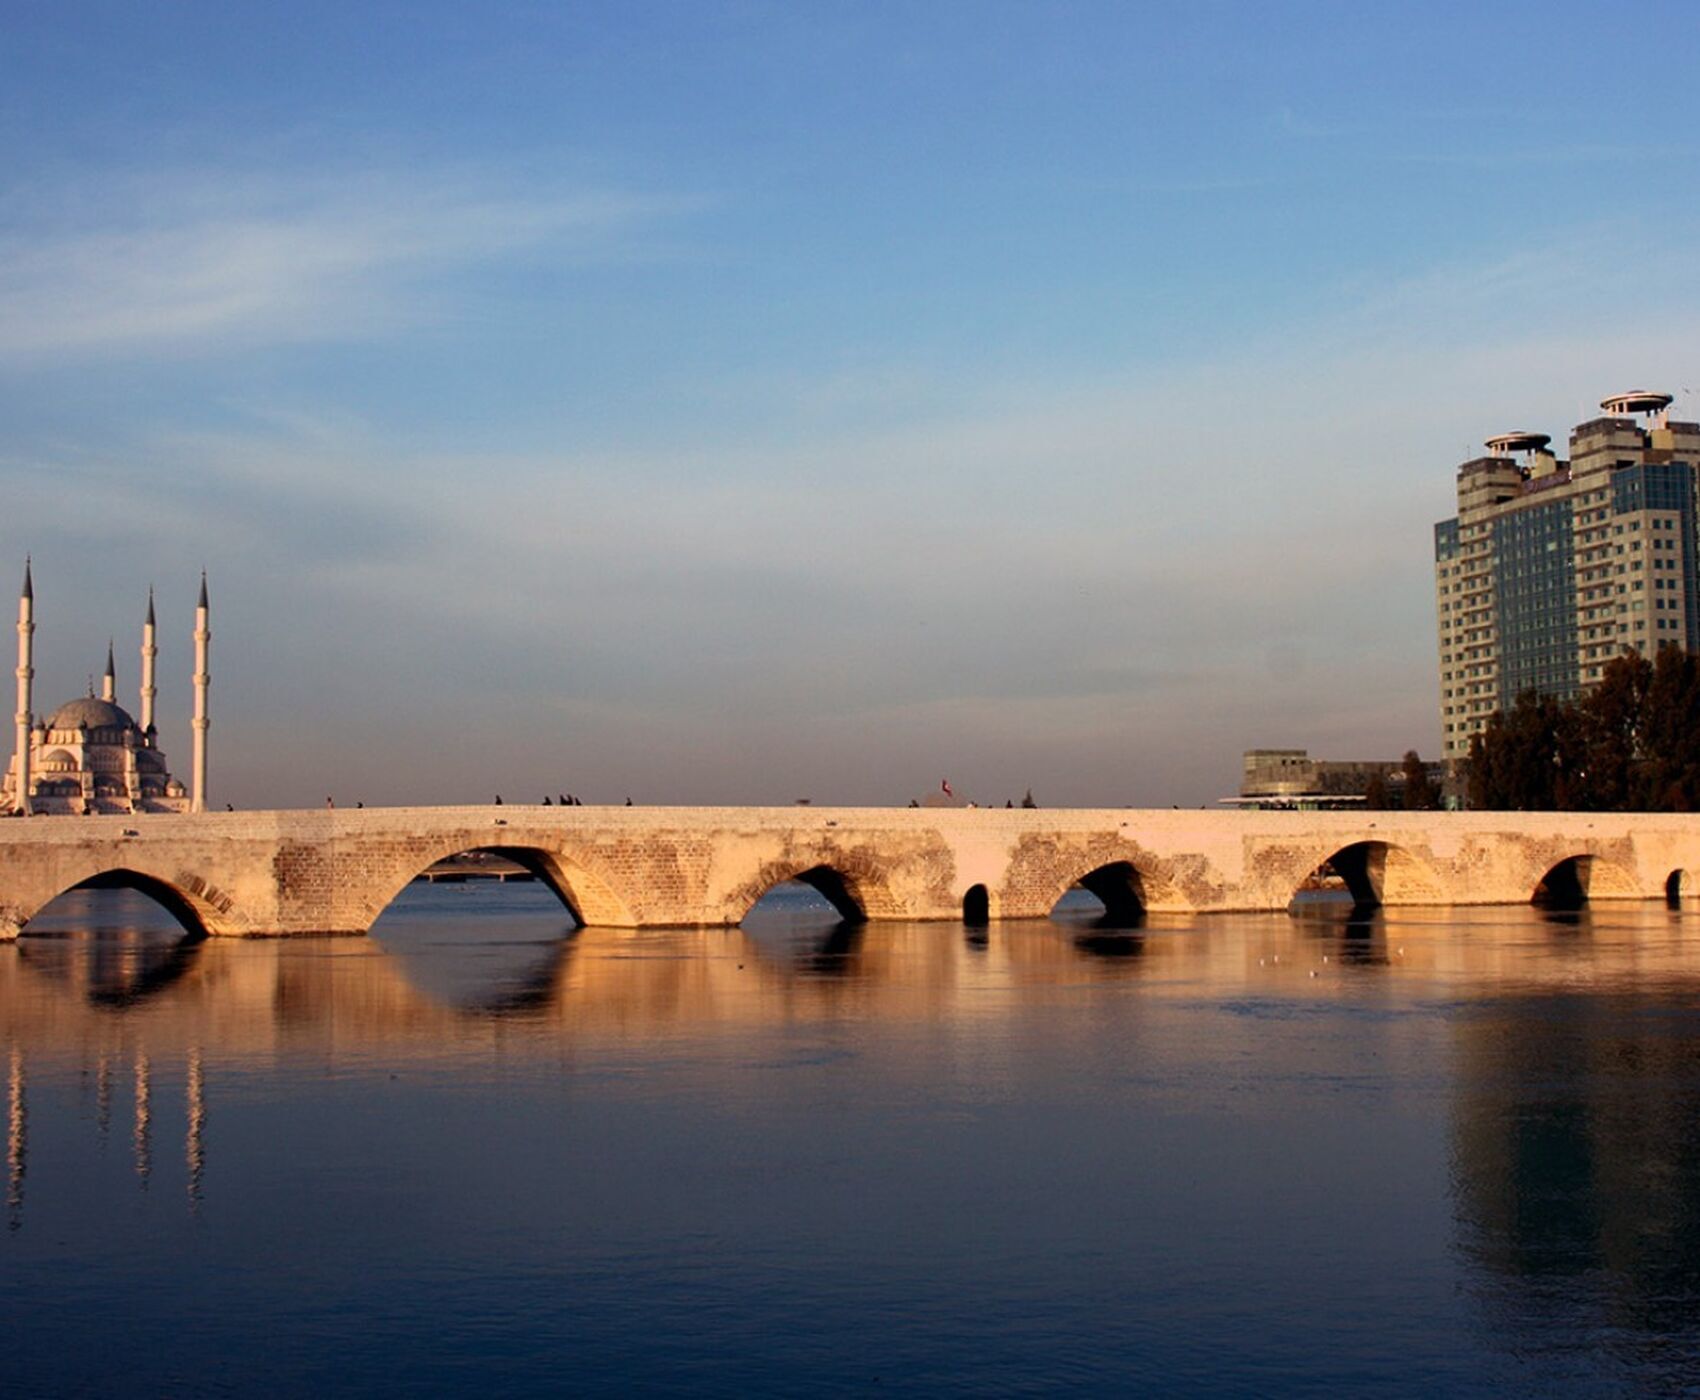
column 1630, row 743
column 1527, row 759
column 1420, row 794
column 1669, row 779
column 1375, row 792
column 1610, row 719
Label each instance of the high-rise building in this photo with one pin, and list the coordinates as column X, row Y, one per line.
column 1552, row 567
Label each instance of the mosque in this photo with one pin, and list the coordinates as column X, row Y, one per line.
column 90, row 756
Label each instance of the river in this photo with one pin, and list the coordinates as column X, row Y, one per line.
column 1435, row 1151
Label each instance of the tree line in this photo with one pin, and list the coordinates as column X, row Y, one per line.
column 1630, row 744
column 1414, row 792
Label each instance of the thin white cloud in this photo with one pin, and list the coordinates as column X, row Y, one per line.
column 189, row 264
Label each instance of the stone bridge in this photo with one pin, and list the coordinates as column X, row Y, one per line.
column 290, row 872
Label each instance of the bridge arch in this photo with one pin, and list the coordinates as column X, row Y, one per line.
column 200, row 908
column 842, row 889
column 587, row 896
column 1119, row 885
column 1682, row 885
column 1125, row 877
column 1582, row 877
column 976, row 906
column 1375, row 873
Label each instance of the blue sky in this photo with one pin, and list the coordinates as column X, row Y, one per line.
column 740, row 402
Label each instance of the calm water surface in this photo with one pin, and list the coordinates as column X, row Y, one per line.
column 1433, row 1152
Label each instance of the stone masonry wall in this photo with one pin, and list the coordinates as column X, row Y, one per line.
column 335, row 871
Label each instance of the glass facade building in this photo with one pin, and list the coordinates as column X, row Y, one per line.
column 1534, row 586
column 1554, row 566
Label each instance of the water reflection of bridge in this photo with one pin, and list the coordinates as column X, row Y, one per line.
column 1546, row 1062
column 129, row 1011
column 254, row 999
column 129, row 1007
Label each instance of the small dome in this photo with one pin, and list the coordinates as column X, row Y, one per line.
column 91, row 714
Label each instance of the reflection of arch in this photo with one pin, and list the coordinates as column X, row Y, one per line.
column 136, row 976
column 1119, row 887
column 586, row 895
column 839, row 952
column 1362, row 941
column 840, row 890
column 518, row 976
column 1377, row 873
column 817, row 945
column 976, row 907
column 1578, row 879
column 197, row 906
column 1111, row 947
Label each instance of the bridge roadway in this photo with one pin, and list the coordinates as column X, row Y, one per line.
column 299, row 872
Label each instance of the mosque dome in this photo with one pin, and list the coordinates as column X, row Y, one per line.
column 91, row 755
column 89, row 713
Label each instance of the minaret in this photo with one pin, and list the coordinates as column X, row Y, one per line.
column 26, row 674
column 149, row 652
column 109, row 683
column 203, row 636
